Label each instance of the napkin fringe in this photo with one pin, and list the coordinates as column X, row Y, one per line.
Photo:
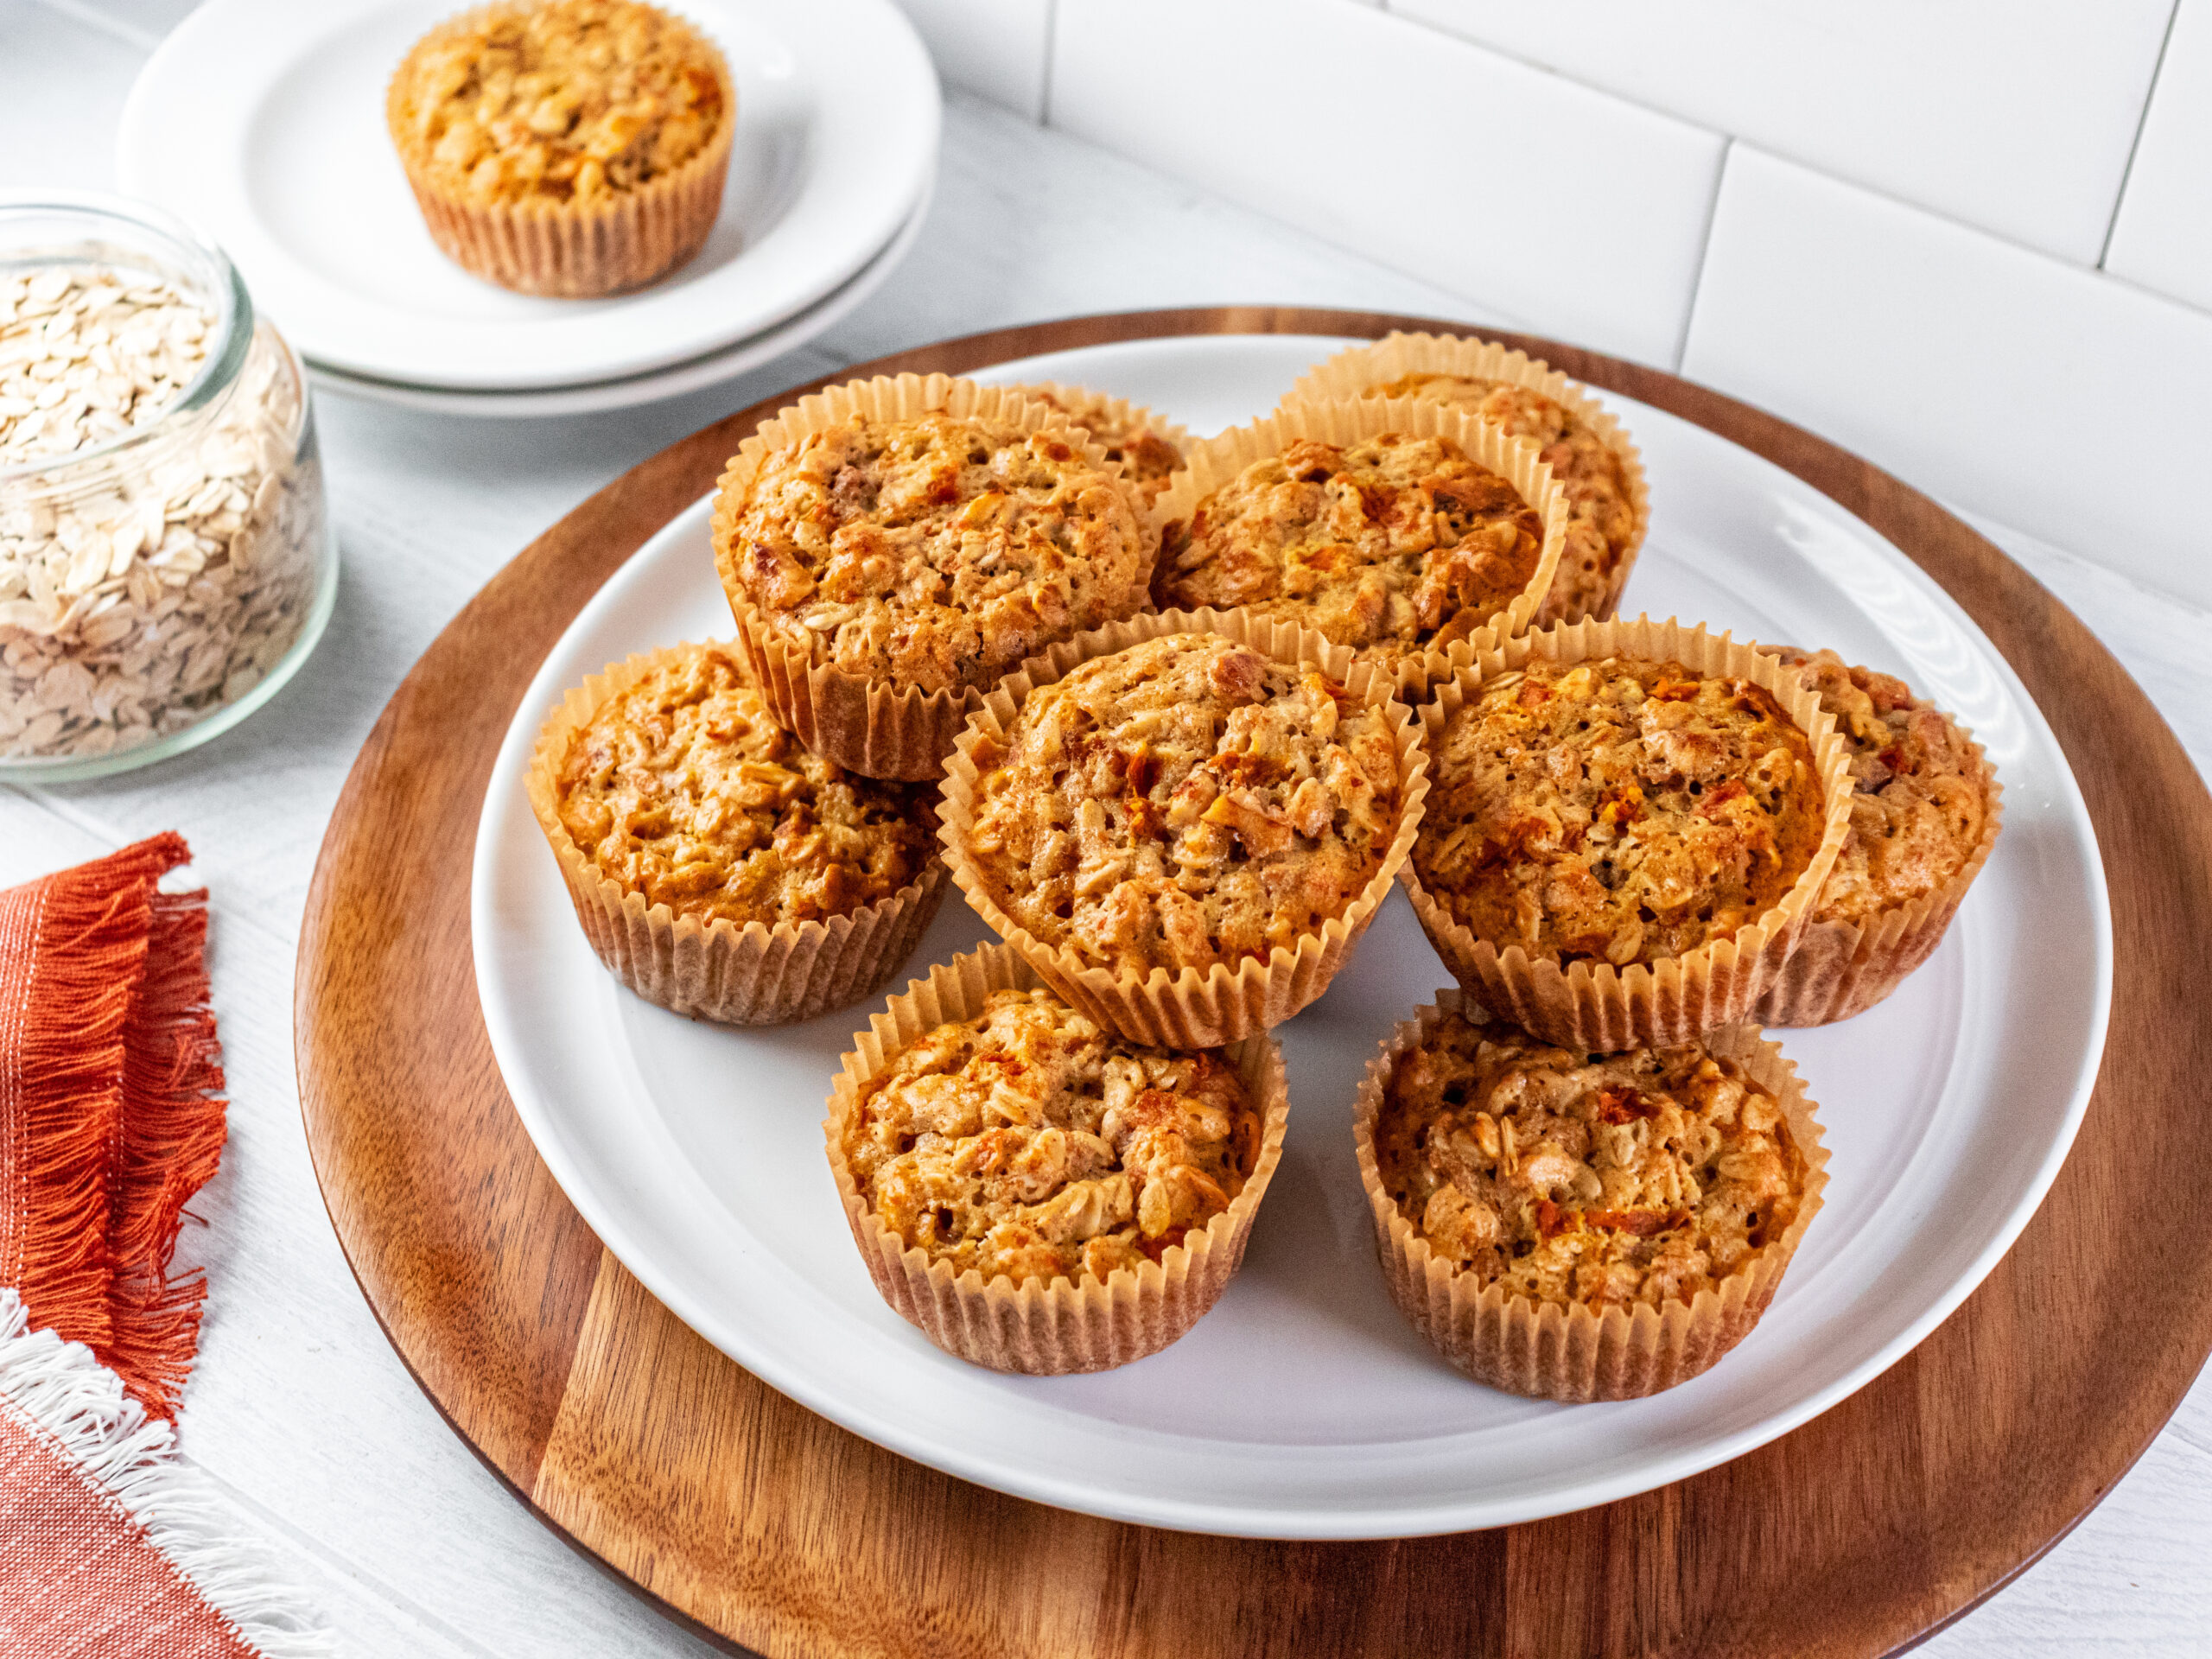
column 108, row 1439
column 173, row 1131
column 68, row 1073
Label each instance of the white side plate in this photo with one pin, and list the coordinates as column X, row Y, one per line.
column 600, row 395
column 1303, row 1406
column 292, row 171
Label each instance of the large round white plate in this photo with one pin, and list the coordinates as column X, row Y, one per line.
column 597, row 396
column 1303, row 1406
column 292, row 170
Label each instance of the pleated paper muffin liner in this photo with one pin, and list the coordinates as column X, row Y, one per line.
column 1572, row 1352
column 1348, row 374
column 1121, row 412
column 561, row 249
column 1598, row 1007
column 1044, row 1330
column 877, row 727
column 1841, row 968
column 1189, row 1009
column 1217, row 460
column 756, row 974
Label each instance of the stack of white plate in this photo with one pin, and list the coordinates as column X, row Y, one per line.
column 261, row 123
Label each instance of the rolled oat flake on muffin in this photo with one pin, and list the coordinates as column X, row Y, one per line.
column 1394, row 545
column 1617, row 810
column 1182, row 803
column 934, row 553
column 684, row 790
column 1025, row 1143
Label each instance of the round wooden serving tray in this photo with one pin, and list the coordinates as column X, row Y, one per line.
column 1858, row 1534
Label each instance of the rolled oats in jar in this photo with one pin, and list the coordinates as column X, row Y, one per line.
column 165, row 557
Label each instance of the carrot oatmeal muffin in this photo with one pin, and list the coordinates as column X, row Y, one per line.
column 683, row 814
column 573, row 147
column 1601, row 518
column 1035, row 1193
column 1924, row 816
column 1617, row 810
column 1027, row 1143
column 934, row 553
column 684, row 790
column 1183, row 804
column 1148, row 449
column 1396, row 545
column 1506, row 1171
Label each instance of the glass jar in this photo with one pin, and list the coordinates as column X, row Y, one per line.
column 158, row 582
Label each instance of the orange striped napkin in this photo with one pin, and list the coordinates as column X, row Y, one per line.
column 110, row 1119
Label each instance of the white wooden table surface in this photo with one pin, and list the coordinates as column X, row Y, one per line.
column 299, row 1410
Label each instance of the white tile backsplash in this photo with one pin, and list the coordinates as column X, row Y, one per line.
column 2163, row 238
column 2039, row 394
column 994, row 48
column 1546, row 199
column 2015, row 115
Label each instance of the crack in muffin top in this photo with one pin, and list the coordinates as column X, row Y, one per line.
column 1026, row 1142
column 1396, row 545
column 1607, row 1180
column 1600, row 517
column 684, row 790
column 571, row 101
column 1919, row 797
column 1617, row 810
column 1184, row 803
column 937, row 553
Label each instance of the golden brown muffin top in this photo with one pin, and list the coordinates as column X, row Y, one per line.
column 1029, row 1142
column 1395, row 546
column 1600, row 517
column 570, row 101
column 938, row 553
column 1617, row 810
column 1606, row 1181
column 1148, row 459
column 1919, row 793
column 1184, row 803
column 683, row 789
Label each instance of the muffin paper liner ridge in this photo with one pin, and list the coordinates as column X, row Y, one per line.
column 1347, row 420
column 876, row 727
column 755, row 975
column 557, row 249
column 1350, row 373
column 1190, row 1009
column 1574, row 1353
column 1596, row 1007
column 1841, row 969
column 1031, row 1326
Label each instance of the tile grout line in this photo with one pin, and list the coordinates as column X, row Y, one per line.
column 1704, row 251
column 93, row 18
column 1390, row 8
column 2135, row 145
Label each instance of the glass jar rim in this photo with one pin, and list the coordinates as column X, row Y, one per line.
column 185, row 247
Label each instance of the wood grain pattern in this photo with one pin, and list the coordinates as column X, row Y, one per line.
column 1861, row 1533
